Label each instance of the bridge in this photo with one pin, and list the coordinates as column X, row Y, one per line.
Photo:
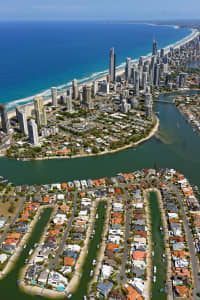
column 164, row 101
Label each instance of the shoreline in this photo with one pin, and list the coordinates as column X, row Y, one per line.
column 119, row 70
column 149, row 136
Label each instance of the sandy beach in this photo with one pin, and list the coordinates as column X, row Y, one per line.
column 119, row 71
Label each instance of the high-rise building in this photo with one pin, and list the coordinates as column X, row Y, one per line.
column 22, row 119
column 144, row 80
column 156, row 80
column 4, row 119
column 125, row 107
column 140, row 61
column 137, row 82
column 162, row 53
column 155, row 48
column 95, row 87
column 69, row 104
column 181, row 80
column 87, row 98
column 54, row 96
column 40, row 112
column 75, row 89
column 33, row 132
column 128, row 69
column 112, row 64
column 148, row 105
column 63, row 98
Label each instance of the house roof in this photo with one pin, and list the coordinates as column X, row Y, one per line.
column 69, row 261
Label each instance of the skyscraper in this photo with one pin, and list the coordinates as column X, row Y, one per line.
column 155, row 48
column 144, row 80
column 162, row 53
column 4, row 119
column 22, row 119
column 33, row 132
column 75, row 89
column 54, row 96
column 148, row 105
column 112, row 64
column 40, row 112
column 128, row 69
column 69, row 104
column 137, row 82
column 95, row 87
column 157, row 75
column 87, row 99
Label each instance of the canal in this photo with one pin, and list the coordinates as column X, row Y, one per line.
column 82, row 289
column 176, row 146
column 158, row 249
column 8, row 286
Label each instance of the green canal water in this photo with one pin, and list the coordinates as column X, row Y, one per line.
column 82, row 289
column 9, row 289
column 158, row 248
column 177, row 147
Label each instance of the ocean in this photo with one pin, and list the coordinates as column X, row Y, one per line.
column 37, row 55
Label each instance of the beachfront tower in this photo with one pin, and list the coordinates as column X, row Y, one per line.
column 75, row 89
column 95, row 87
column 4, row 119
column 33, row 132
column 54, row 96
column 22, row 119
column 112, row 66
column 69, row 104
column 144, row 80
column 128, row 69
column 87, row 98
column 155, row 48
column 40, row 112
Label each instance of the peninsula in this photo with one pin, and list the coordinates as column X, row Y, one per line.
column 104, row 116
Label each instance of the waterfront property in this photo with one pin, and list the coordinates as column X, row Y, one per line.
column 125, row 254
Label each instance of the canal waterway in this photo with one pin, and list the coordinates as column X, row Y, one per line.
column 9, row 286
column 9, row 289
column 158, row 248
column 177, row 146
column 82, row 289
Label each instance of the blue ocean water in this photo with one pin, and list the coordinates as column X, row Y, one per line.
column 37, row 55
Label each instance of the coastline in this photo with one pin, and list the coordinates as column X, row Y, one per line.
column 89, row 80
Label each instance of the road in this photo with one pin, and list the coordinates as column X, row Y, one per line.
column 54, row 262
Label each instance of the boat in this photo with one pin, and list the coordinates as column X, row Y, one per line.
column 97, row 216
column 94, row 262
column 30, row 252
column 154, row 269
column 154, row 278
column 91, row 273
column 24, row 246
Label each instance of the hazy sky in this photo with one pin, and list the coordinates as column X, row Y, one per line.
column 99, row 9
